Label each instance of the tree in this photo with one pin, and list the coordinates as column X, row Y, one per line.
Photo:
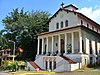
column 21, row 27
column 3, row 42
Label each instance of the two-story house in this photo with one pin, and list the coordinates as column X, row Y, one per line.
column 73, row 41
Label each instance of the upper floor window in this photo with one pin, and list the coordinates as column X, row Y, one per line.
column 57, row 25
column 88, row 25
column 61, row 24
column 92, row 28
column 81, row 22
column 66, row 23
column 97, row 30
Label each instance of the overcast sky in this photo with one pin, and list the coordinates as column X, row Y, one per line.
column 90, row 8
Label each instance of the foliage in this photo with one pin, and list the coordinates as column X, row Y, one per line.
column 22, row 27
column 13, row 66
column 29, row 69
column 3, row 42
column 10, row 65
column 69, row 48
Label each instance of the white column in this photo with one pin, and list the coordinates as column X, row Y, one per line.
column 42, row 45
column 52, row 64
column 47, row 46
column 65, row 43
column 72, row 42
column 38, row 46
column 80, row 41
column 52, row 44
column 59, row 47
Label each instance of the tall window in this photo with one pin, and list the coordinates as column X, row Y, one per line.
column 92, row 28
column 81, row 22
column 96, row 52
column 88, row 25
column 66, row 23
column 57, row 25
column 90, row 46
column 97, row 30
column 61, row 24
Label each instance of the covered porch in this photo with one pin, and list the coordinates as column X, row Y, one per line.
column 63, row 42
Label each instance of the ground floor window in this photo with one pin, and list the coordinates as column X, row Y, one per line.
column 85, row 61
column 49, row 65
column 46, row 64
column 54, row 64
column 91, row 60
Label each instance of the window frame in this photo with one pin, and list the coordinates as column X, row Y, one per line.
column 62, row 24
column 57, row 25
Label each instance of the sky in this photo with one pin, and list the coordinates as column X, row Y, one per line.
column 90, row 8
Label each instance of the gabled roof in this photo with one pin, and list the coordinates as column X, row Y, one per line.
column 95, row 23
column 71, row 6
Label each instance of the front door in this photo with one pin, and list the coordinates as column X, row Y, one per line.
column 62, row 46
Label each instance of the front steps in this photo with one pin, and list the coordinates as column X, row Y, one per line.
column 35, row 65
column 63, row 63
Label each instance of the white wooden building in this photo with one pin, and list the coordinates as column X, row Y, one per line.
column 73, row 41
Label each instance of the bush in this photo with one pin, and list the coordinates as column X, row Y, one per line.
column 29, row 69
column 12, row 66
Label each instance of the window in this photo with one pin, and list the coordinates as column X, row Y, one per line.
column 90, row 46
column 97, row 30
column 74, row 13
column 57, row 26
column 96, row 52
column 81, row 22
column 92, row 28
column 67, row 11
column 61, row 24
column 91, row 60
column 66, row 23
column 88, row 25
column 85, row 61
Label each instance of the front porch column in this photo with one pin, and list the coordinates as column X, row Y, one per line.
column 72, row 42
column 47, row 46
column 65, row 43
column 38, row 46
column 52, row 45
column 42, row 45
column 59, row 47
column 80, row 41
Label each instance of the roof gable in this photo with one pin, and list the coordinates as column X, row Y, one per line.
column 71, row 5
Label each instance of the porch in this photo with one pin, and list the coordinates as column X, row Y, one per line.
column 66, row 42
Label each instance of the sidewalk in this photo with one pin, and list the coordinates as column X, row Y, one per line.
column 31, row 73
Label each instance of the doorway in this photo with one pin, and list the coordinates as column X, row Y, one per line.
column 62, row 46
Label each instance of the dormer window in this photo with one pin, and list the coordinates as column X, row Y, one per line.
column 81, row 22
column 61, row 24
column 57, row 25
column 66, row 23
